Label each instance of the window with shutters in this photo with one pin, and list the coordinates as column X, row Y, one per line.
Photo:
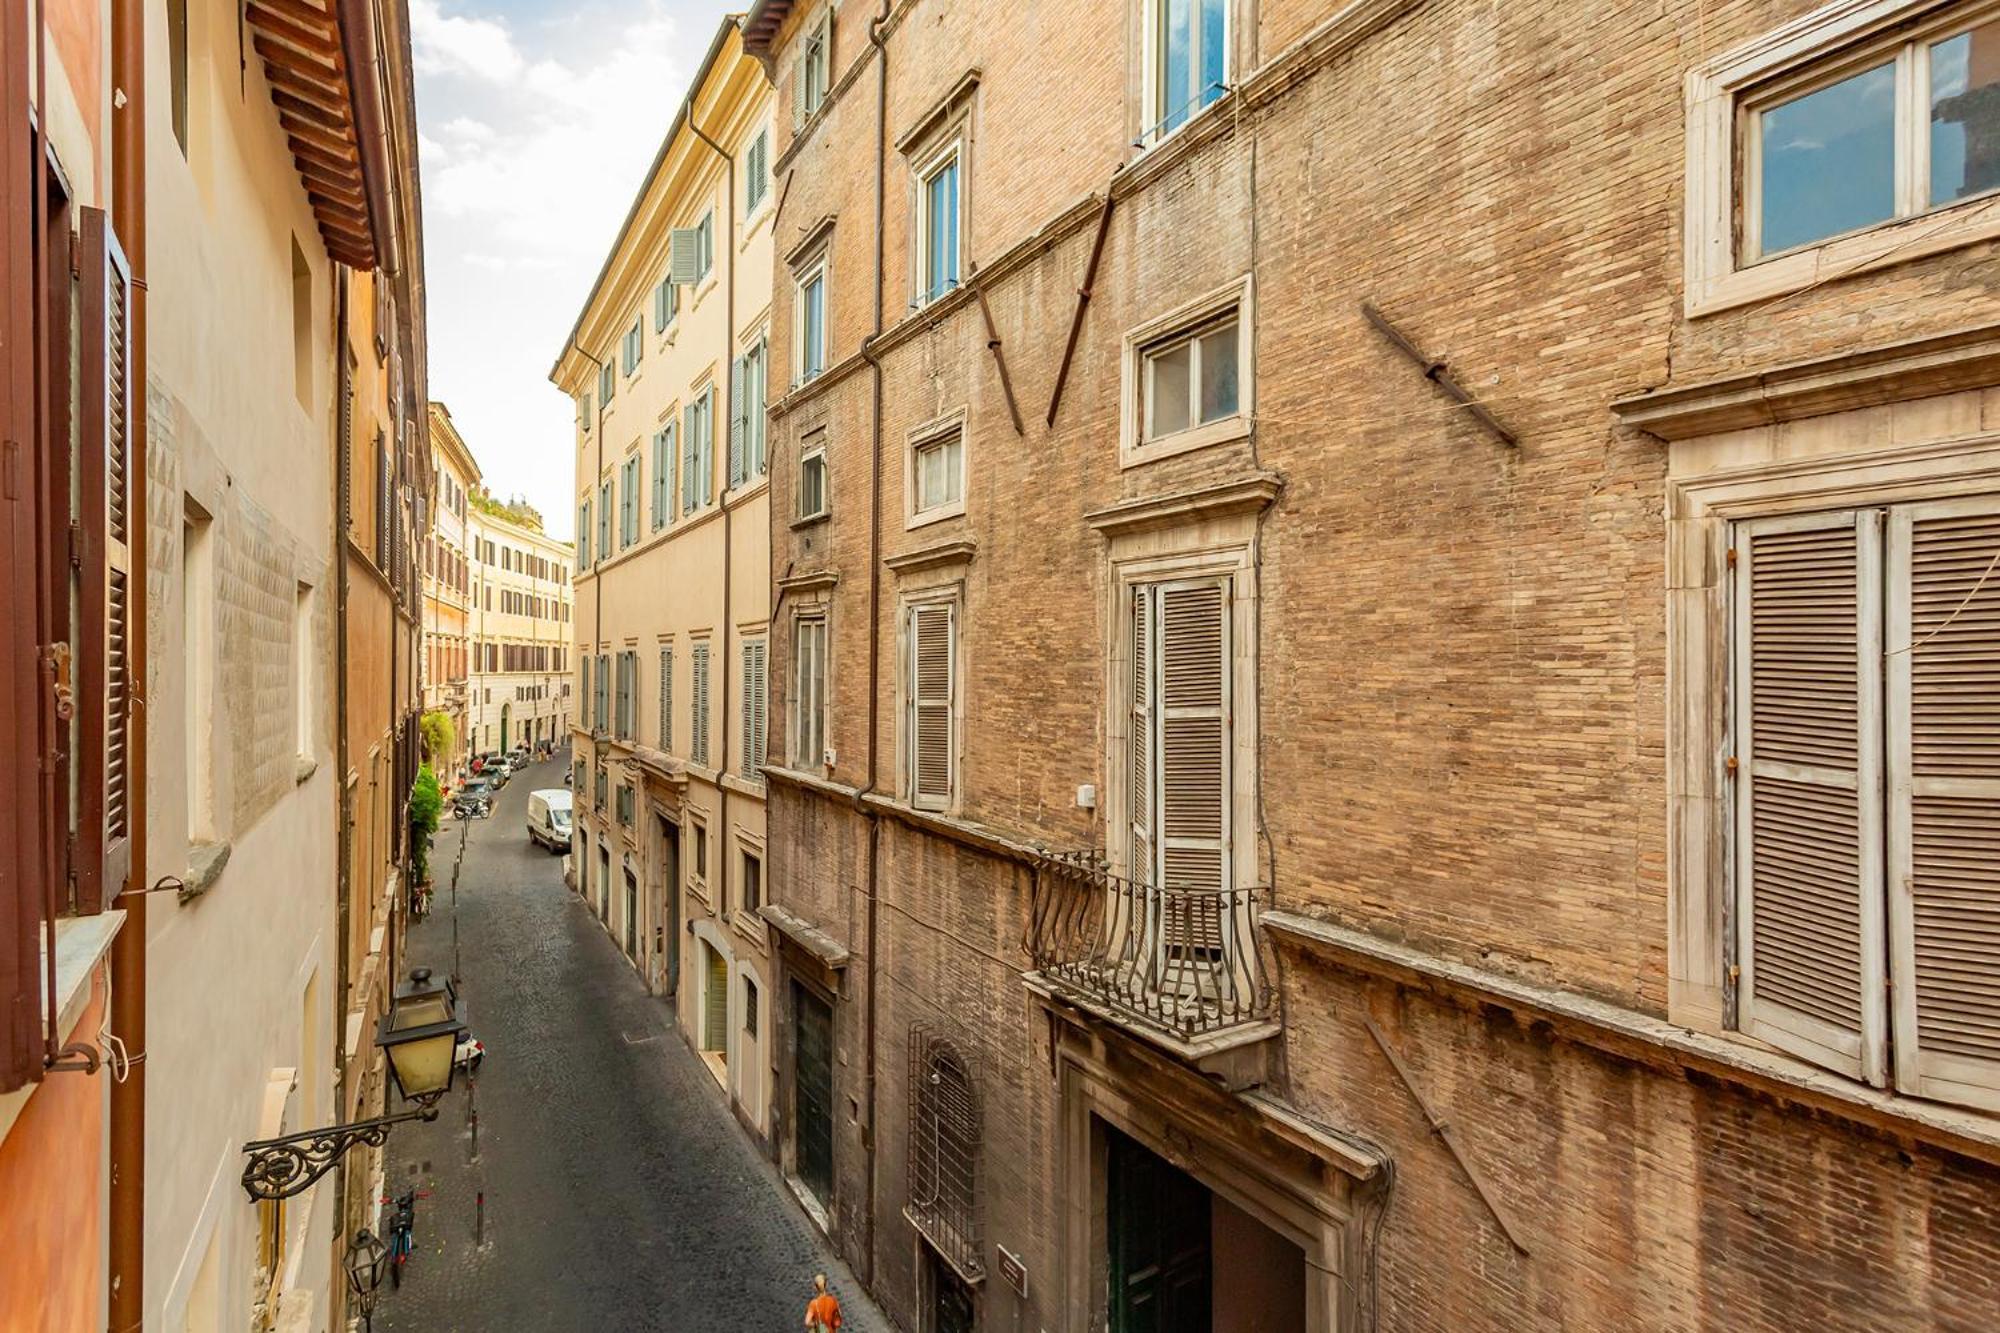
column 583, row 535
column 698, row 451
column 756, row 171
column 704, row 253
column 746, row 415
column 605, row 491
column 813, row 495
column 1866, row 720
column 628, row 503
column 812, row 78
column 633, row 347
column 663, row 476
column 698, row 721
column 753, row 703
column 666, row 304
column 809, row 692
column 584, row 417
column 930, row 687
column 1187, row 377
column 601, row 701
column 935, row 475
column 667, row 697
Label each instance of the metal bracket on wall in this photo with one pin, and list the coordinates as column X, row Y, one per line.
column 1442, row 1129
column 1438, row 374
column 999, row 356
column 1082, row 304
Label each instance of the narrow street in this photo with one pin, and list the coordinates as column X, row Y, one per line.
column 619, row 1191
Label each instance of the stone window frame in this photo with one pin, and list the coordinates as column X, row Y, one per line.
column 817, row 264
column 1702, row 511
column 945, row 586
column 1143, row 92
column 1134, row 449
column 1829, row 39
column 937, row 430
column 812, row 445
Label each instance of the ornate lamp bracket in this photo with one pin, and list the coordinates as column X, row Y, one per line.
column 281, row 1167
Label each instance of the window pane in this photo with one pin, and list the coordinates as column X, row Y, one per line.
column 1965, row 114
column 1214, row 49
column 1218, row 374
column 1168, row 407
column 948, row 455
column 1829, row 160
column 1176, row 50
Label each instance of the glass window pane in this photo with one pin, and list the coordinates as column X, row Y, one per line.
column 1829, row 160
column 1214, row 50
column 1176, row 61
column 1167, row 403
column 1218, row 374
column 1965, row 114
column 948, row 454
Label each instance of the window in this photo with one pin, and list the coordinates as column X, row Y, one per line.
column 607, row 384
column 198, row 650
column 601, row 702
column 752, row 884
column 1187, row 380
column 753, row 653
column 750, row 998
column 582, row 413
column 811, row 333
column 943, row 1150
column 603, row 789
column 812, row 475
column 667, row 697
column 1845, row 141
column 625, row 804
column 812, row 80
column 604, row 520
column 1868, row 774
column 634, row 347
column 627, row 695
column 663, row 475
column 809, row 693
column 666, row 304
column 937, row 229
column 698, row 715
column 302, row 325
column 937, row 475
column 704, row 255
column 628, row 504
column 930, row 699
column 698, row 451
column 699, row 866
column 1178, row 771
column 1188, row 61
column 756, row 171
column 746, row 421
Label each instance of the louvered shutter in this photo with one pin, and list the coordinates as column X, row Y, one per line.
column 1194, row 678
column 930, row 724
column 1141, row 780
column 1944, row 807
column 1808, row 655
column 799, row 85
column 684, row 255
column 753, row 707
column 757, row 373
column 667, row 699
column 104, row 853
column 604, row 521
column 688, row 468
column 736, row 472
column 589, row 714
column 660, row 306
column 698, row 743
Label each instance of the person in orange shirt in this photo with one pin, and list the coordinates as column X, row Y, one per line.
column 822, row 1311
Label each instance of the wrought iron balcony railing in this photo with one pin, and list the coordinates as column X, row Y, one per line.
column 1189, row 963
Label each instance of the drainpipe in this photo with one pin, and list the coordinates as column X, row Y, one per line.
column 881, row 45
column 596, row 587
column 728, row 515
column 126, row 1304
column 343, row 491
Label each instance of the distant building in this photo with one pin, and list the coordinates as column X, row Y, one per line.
column 447, row 657
column 518, row 630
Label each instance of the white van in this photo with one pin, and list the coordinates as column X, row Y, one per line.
column 549, row 817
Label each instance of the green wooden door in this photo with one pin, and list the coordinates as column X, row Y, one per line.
column 1158, row 1232
column 715, row 1000
column 812, row 1092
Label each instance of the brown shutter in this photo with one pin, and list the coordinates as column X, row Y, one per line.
column 1944, row 809
column 1194, row 762
column 104, row 849
column 1809, row 788
column 931, row 671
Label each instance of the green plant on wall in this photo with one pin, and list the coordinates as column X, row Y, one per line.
column 426, row 803
column 438, row 735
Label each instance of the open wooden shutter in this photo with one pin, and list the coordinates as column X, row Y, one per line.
column 736, row 422
column 588, row 699
column 104, row 683
column 931, row 672
column 753, row 707
column 1808, row 657
column 667, row 699
column 1194, row 762
column 1944, row 806
column 1141, row 781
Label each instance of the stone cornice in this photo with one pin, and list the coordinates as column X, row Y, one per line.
column 1248, row 495
column 931, row 557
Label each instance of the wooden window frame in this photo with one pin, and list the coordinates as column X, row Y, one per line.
column 809, row 716
column 817, row 269
column 934, row 433
column 1134, row 448
column 813, row 449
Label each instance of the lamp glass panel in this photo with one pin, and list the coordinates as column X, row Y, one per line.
column 424, row 1065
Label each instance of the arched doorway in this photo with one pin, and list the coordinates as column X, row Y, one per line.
column 506, row 719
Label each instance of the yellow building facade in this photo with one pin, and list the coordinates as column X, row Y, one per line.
column 447, row 654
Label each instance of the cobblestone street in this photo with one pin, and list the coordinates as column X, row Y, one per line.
column 619, row 1191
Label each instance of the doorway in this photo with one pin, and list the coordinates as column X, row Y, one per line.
column 951, row 1308
column 631, row 915
column 667, row 912
column 812, row 1092
column 715, row 1012
column 1158, row 1234
column 506, row 721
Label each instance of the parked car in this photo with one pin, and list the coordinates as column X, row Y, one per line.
column 520, row 757
column 475, row 800
column 549, row 818
column 497, row 771
column 470, row 1052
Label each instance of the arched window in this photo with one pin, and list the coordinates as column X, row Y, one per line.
column 944, row 1151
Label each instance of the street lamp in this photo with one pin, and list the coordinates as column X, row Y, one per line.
column 364, row 1273
column 420, row 1036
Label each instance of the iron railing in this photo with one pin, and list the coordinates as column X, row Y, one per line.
column 1188, row 962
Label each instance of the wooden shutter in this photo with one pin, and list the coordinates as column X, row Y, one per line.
column 684, row 255
column 736, row 422
column 698, row 743
column 1808, row 788
column 1141, row 780
column 931, row 686
column 666, row 698
column 1944, row 798
column 1194, row 681
column 688, row 438
column 753, row 707
column 104, row 680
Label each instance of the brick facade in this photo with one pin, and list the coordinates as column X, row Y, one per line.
column 1461, row 654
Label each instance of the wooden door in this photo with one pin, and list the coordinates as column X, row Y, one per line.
column 812, row 1092
column 1159, row 1238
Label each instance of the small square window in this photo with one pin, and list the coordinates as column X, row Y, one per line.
column 812, row 500
column 1191, row 379
column 937, row 473
column 1187, row 378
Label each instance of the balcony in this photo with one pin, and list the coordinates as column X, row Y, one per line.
column 1185, row 968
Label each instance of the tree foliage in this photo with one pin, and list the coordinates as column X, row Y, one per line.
column 426, row 804
column 438, row 735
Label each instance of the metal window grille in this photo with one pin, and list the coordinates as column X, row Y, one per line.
column 944, row 1152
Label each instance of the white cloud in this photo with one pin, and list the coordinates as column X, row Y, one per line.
column 537, row 130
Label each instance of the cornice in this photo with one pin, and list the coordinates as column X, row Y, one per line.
column 932, row 557
column 1248, row 495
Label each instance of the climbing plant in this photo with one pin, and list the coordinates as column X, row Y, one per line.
column 426, row 803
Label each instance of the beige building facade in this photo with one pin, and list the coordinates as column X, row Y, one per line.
column 668, row 366
column 518, row 627
column 447, row 655
column 1383, row 704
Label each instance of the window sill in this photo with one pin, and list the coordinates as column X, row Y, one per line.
column 1225, row 431
column 749, row 927
column 82, row 942
column 809, row 520
column 742, row 786
column 205, row 863
column 756, row 219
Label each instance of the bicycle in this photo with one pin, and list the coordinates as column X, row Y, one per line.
column 402, row 1229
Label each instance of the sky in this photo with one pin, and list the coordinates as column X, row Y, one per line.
column 537, row 120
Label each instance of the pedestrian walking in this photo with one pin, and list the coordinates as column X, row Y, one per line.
column 823, row 1310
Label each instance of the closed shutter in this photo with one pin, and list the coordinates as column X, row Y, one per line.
column 698, row 743
column 736, row 423
column 667, row 699
column 684, row 255
column 1944, row 806
column 753, row 707
column 663, row 472
column 104, row 683
column 1809, row 788
column 590, row 717
column 757, row 373
column 1141, row 779
column 604, row 521
column 689, row 440
column 930, row 724
column 660, row 306
column 1193, row 770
